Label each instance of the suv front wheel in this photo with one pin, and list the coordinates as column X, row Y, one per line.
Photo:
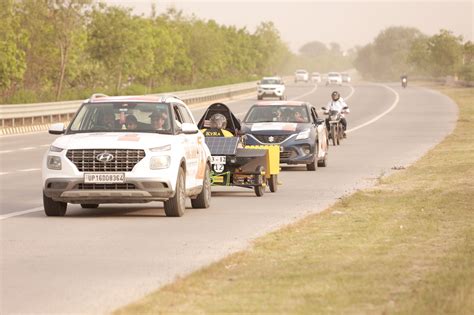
column 174, row 207
column 54, row 208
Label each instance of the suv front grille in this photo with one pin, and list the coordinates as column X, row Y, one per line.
column 123, row 159
column 125, row 186
column 276, row 139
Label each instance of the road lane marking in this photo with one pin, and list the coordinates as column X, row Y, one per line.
column 14, row 214
column 27, row 148
column 4, row 173
column 394, row 104
column 6, row 151
column 350, row 94
column 29, row 170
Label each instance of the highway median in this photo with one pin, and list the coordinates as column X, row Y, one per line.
column 404, row 246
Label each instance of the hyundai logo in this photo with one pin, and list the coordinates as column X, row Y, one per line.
column 104, row 157
column 271, row 139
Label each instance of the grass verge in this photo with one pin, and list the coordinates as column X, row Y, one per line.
column 405, row 246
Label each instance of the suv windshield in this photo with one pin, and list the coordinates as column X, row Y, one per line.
column 270, row 81
column 284, row 113
column 122, row 117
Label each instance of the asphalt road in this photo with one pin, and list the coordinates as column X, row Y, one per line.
column 92, row 261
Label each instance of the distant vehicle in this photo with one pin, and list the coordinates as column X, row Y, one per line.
column 271, row 86
column 294, row 125
column 346, row 77
column 334, row 78
column 404, row 80
column 127, row 149
column 316, row 77
column 301, row 75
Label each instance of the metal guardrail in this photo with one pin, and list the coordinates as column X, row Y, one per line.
column 43, row 113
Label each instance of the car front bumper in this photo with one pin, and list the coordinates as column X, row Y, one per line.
column 134, row 190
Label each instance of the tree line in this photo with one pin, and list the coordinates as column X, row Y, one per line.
column 67, row 49
column 406, row 50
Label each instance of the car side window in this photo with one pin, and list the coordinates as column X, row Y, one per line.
column 178, row 119
column 185, row 115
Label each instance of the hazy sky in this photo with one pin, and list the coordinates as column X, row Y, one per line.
column 348, row 23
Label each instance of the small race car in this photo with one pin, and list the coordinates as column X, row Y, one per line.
column 232, row 164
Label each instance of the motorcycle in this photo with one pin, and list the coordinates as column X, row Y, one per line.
column 404, row 82
column 336, row 130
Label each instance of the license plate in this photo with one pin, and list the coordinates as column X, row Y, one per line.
column 104, row 178
column 218, row 159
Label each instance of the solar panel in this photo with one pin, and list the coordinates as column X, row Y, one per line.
column 222, row 145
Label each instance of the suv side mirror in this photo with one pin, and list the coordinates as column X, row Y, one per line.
column 56, row 129
column 319, row 121
column 189, row 129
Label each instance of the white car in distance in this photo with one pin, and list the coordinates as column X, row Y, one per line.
column 346, row 77
column 129, row 149
column 316, row 77
column 272, row 87
column 334, row 78
column 301, row 75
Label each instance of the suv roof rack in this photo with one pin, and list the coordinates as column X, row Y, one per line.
column 165, row 96
column 98, row 95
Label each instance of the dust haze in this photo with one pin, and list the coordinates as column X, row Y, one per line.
column 349, row 23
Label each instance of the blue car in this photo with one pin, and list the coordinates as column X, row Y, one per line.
column 295, row 126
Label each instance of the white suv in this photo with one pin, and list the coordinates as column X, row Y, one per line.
column 301, row 75
column 334, row 78
column 128, row 149
column 271, row 86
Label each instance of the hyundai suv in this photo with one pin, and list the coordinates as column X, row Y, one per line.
column 129, row 149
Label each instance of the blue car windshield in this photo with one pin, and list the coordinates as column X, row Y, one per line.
column 273, row 113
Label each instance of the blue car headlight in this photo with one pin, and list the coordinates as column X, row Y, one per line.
column 303, row 134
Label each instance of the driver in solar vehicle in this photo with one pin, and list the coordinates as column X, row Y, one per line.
column 217, row 124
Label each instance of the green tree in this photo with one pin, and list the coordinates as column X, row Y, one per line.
column 12, row 56
column 446, row 53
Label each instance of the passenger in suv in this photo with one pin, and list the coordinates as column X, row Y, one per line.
column 129, row 159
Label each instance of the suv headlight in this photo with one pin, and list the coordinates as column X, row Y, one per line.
column 55, row 149
column 160, row 162
column 54, row 162
column 303, row 134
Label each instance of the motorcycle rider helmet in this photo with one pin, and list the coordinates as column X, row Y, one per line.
column 335, row 96
column 218, row 121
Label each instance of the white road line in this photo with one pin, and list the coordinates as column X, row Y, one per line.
column 29, row 170
column 4, row 173
column 394, row 104
column 305, row 94
column 14, row 214
column 27, row 148
column 6, row 151
column 350, row 94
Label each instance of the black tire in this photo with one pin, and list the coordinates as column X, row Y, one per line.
column 333, row 134
column 259, row 190
column 89, row 205
column 203, row 200
column 259, row 98
column 174, row 207
column 273, row 183
column 323, row 162
column 54, row 208
column 282, row 98
column 312, row 166
column 339, row 135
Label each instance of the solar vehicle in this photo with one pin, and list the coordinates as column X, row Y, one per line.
column 232, row 163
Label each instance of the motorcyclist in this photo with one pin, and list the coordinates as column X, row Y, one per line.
column 337, row 103
column 404, row 80
column 217, row 124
